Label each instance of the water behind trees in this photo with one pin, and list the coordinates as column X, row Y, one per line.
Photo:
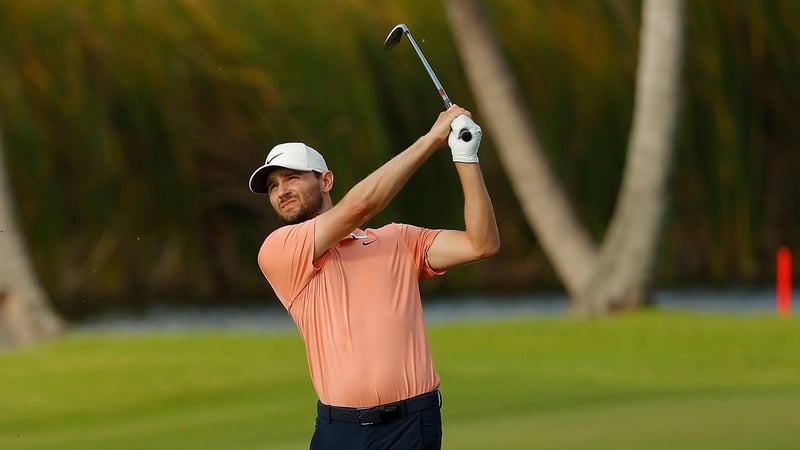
column 272, row 318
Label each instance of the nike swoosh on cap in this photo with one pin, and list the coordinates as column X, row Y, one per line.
column 271, row 159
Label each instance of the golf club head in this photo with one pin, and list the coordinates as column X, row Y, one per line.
column 395, row 36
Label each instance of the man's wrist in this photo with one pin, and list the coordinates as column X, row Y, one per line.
column 430, row 142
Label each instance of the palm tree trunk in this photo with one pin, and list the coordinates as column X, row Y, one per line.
column 541, row 196
column 25, row 316
column 618, row 275
column 630, row 247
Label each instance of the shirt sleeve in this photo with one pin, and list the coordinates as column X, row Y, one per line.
column 286, row 260
column 419, row 240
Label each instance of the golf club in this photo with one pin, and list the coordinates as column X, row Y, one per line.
column 394, row 38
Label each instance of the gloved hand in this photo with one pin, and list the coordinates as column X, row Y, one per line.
column 464, row 151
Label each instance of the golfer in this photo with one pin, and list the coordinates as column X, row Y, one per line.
column 354, row 293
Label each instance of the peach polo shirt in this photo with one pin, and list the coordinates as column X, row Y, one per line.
column 358, row 309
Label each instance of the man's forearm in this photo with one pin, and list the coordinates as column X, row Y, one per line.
column 373, row 193
column 479, row 219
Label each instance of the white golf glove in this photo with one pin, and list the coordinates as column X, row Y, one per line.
column 464, row 151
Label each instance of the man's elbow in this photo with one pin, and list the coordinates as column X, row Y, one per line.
column 489, row 248
column 357, row 210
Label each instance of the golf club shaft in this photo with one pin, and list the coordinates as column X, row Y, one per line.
column 442, row 93
column 464, row 134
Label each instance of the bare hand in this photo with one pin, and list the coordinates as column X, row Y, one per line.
column 441, row 128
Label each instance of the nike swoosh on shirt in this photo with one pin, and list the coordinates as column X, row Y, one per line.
column 270, row 160
column 368, row 242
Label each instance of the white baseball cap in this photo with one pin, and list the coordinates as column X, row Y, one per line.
column 291, row 155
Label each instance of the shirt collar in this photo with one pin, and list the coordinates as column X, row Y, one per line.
column 358, row 233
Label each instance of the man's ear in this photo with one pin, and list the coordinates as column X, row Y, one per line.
column 326, row 181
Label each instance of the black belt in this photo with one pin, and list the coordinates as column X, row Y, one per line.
column 381, row 413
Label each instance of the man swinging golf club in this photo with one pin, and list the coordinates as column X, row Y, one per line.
column 354, row 293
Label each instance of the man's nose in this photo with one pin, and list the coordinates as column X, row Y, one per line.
column 282, row 190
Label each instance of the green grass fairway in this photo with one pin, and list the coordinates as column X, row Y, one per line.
column 645, row 381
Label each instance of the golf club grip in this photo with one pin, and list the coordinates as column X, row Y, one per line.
column 464, row 134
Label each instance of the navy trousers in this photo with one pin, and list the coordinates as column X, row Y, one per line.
column 419, row 430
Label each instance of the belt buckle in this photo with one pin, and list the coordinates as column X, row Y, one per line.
column 363, row 420
column 376, row 414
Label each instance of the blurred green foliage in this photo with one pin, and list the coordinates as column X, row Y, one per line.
column 131, row 128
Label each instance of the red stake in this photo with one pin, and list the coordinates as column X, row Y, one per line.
column 784, row 281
